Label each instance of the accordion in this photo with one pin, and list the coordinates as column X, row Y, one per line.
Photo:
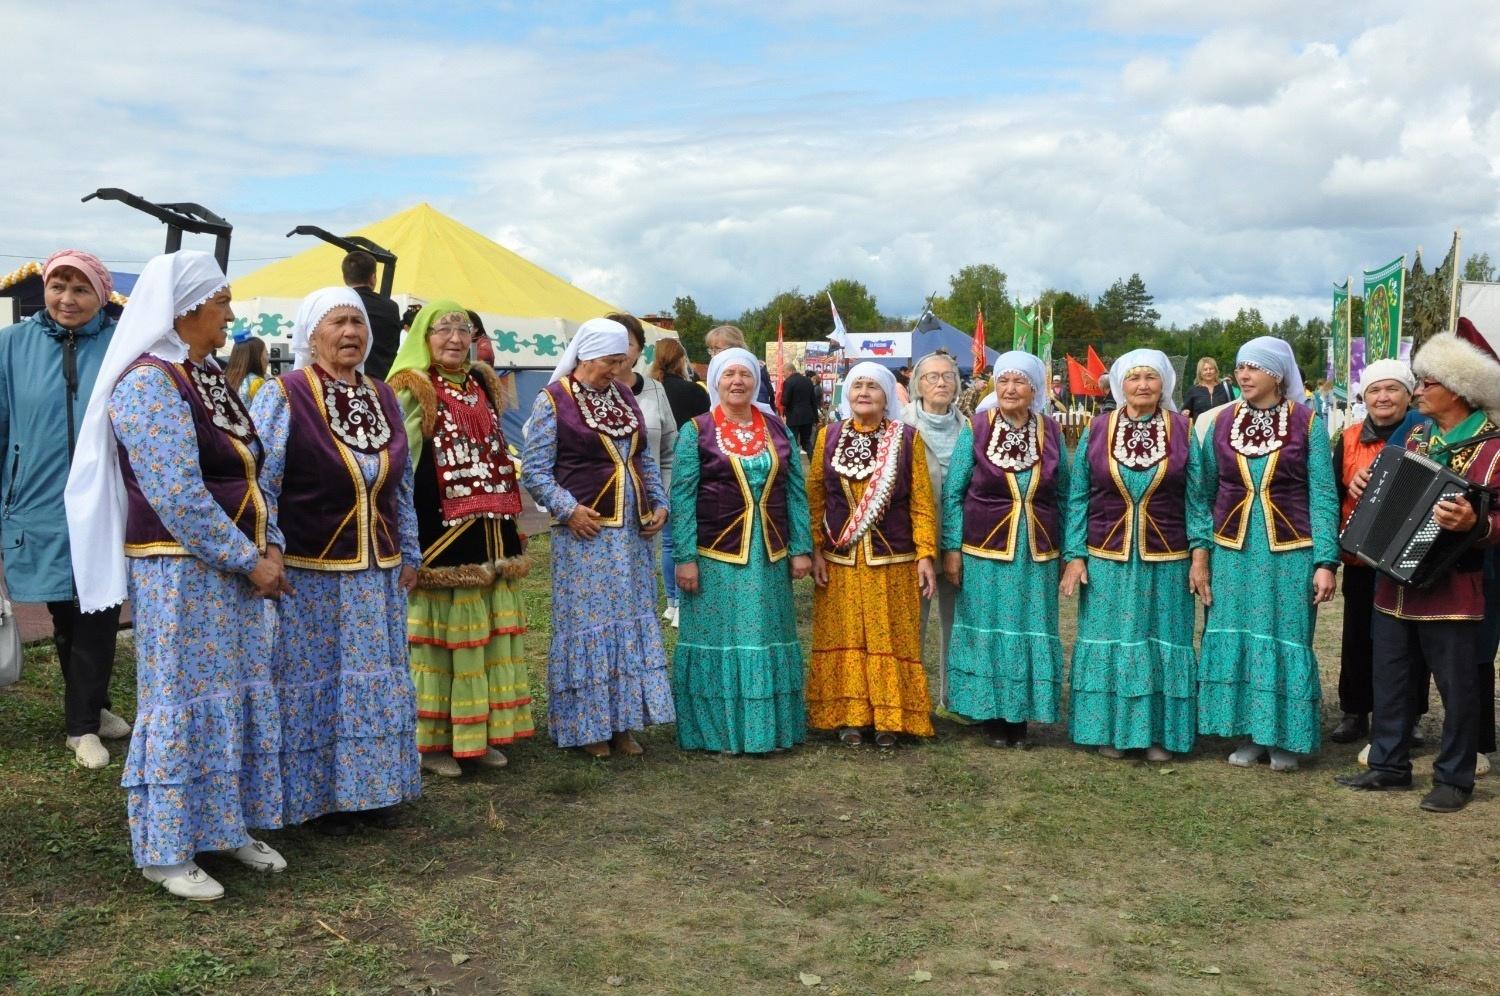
column 1392, row 529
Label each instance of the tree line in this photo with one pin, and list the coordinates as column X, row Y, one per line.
column 1122, row 317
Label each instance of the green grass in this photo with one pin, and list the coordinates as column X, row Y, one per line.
column 1051, row 870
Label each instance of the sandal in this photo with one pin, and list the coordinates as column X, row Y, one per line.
column 597, row 751
column 885, row 739
column 850, row 737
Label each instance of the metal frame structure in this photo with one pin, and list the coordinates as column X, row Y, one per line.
column 179, row 218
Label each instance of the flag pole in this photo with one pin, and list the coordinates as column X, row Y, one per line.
column 1453, row 299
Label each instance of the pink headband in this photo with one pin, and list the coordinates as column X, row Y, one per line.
column 92, row 268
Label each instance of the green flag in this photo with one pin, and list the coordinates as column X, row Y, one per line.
column 1340, row 343
column 1385, row 291
column 1021, row 336
column 1044, row 340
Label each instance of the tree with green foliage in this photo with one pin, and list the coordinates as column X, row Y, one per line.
column 973, row 287
column 691, row 326
column 805, row 318
column 1479, row 268
column 855, row 302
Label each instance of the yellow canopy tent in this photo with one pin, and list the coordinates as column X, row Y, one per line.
column 529, row 313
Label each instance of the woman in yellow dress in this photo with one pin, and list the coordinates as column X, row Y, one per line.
column 875, row 539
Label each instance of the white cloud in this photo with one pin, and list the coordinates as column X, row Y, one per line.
column 1257, row 165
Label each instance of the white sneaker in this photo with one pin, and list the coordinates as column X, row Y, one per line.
column 492, row 759
column 185, row 881
column 1364, row 756
column 1283, row 760
column 676, row 617
column 112, row 727
column 441, row 764
column 1481, row 765
column 259, row 856
column 666, row 615
column 1247, row 756
column 88, row 752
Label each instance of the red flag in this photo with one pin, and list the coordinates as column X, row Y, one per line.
column 780, row 364
column 979, row 354
column 1082, row 382
column 1097, row 368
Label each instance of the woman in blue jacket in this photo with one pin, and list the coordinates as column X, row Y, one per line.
column 48, row 364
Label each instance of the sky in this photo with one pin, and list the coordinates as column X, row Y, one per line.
column 1245, row 154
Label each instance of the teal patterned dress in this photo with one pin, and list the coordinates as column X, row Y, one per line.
column 1133, row 680
column 1006, row 659
column 1258, row 675
column 737, row 669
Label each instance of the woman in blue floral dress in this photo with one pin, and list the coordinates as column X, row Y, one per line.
column 202, row 556
column 338, row 482
column 585, row 462
column 742, row 535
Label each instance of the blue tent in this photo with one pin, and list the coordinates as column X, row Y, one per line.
column 932, row 333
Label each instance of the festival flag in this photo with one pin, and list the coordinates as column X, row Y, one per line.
column 979, row 353
column 1044, row 341
column 780, row 362
column 1339, row 342
column 1385, row 294
column 1083, row 382
column 1096, row 366
column 839, row 335
column 1021, row 334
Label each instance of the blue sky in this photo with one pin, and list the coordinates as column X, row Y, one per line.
column 1235, row 155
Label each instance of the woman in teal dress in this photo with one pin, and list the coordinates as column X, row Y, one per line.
column 1002, row 540
column 1267, row 479
column 740, row 537
column 1134, row 512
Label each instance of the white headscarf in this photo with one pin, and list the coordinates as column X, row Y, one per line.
column 169, row 287
column 880, row 375
column 1153, row 358
column 1274, row 356
column 734, row 357
column 1028, row 366
column 314, row 307
column 1380, row 370
column 595, row 338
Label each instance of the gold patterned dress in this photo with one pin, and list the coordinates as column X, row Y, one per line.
column 866, row 666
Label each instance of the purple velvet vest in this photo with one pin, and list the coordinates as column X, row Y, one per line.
column 892, row 539
column 724, row 498
column 1282, row 492
column 332, row 520
column 993, row 500
column 229, row 467
column 1157, row 526
column 589, row 467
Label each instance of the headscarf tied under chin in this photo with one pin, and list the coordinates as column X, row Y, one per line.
column 1275, row 357
column 1156, row 360
column 415, row 352
column 734, row 357
column 879, row 374
column 86, row 263
column 1028, row 366
column 315, row 307
column 169, row 287
column 595, row 338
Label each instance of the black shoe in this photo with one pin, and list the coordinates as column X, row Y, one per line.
column 333, row 824
column 1015, row 735
column 1352, row 727
column 1374, row 781
column 384, row 818
column 1445, row 799
column 996, row 733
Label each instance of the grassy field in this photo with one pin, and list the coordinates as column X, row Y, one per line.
column 946, row 867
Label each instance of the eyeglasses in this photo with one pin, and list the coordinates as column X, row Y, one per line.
column 1427, row 383
column 937, row 377
column 451, row 331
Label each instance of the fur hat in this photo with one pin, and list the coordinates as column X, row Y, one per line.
column 1463, row 361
